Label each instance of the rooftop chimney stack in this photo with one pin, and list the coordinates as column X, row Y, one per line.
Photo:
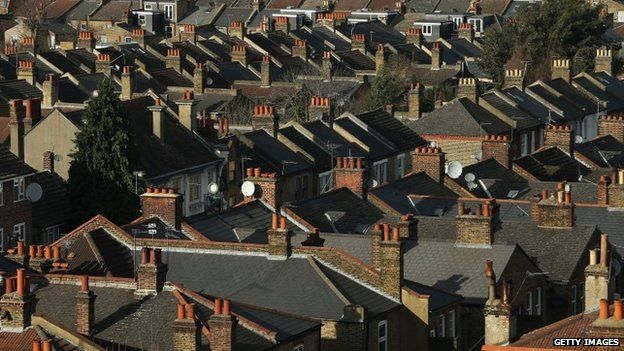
column 436, row 55
column 414, row 36
column 560, row 136
column 127, row 83
column 597, row 279
column 199, row 78
column 223, row 326
column 267, row 187
column 611, row 190
column 40, row 258
column 380, row 59
column 186, row 330
column 48, row 161
column 26, row 71
column 85, row 307
column 151, row 273
column 279, row 245
column 561, row 69
column 163, row 203
column 158, row 119
column 469, row 88
column 391, row 262
column 28, row 45
column 18, row 254
column 17, row 304
column 188, row 33
column 282, row 24
column 265, row 71
column 430, row 160
column 358, row 42
column 514, row 78
column 352, row 173
column 465, row 31
column 327, row 66
column 264, row 117
column 604, row 61
column 476, row 227
column 50, row 91
column 612, row 125
column 239, row 54
column 414, row 101
column 86, row 41
column 499, row 148
column 320, row 109
column 187, row 113
column 300, row 49
column 102, row 64
column 16, row 124
column 237, row 29
column 138, row 36
column 556, row 211
column 499, row 324
column 174, row 60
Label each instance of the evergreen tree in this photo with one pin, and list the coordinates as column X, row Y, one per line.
column 100, row 173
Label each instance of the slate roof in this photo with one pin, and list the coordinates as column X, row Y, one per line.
column 18, row 89
column 604, row 151
column 11, row 166
column 350, row 5
column 321, row 155
column 324, row 135
column 453, row 6
column 391, row 129
column 569, row 109
column 382, row 33
column 277, row 153
column 378, row 149
column 438, row 299
column 357, row 60
column 498, row 179
column 98, row 253
column 82, row 10
column 552, row 164
column 230, row 14
column 523, row 119
column 54, row 207
column 160, row 230
column 434, row 77
column 529, row 104
column 114, row 10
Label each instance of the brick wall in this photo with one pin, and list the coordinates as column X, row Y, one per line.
column 460, row 149
column 338, row 336
column 310, row 341
column 498, row 148
column 85, row 312
column 560, row 136
column 12, row 213
column 474, row 227
column 430, row 160
column 163, row 203
column 612, row 125
column 350, row 172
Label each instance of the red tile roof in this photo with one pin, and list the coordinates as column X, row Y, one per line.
column 18, row 341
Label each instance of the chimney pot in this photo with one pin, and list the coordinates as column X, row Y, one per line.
column 9, row 285
column 618, row 312
column 20, row 282
column 226, row 307
column 217, row 306
column 47, row 345
column 190, row 311
column 283, row 223
column 604, row 243
column 604, row 309
column 36, row 345
column 181, row 311
column 84, row 283
column 20, row 247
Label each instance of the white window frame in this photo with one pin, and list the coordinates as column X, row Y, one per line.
column 299, row 348
column 325, row 182
column 148, row 6
column 457, row 21
column 441, row 326
column 168, row 9
column 529, row 308
column 177, row 184
column 382, row 339
column 51, row 234
column 19, row 186
column 381, row 177
column 1, row 193
column 142, row 20
column 538, row 301
column 195, row 188
column 524, row 144
column 400, row 166
column 451, row 319
column 427, row 29
column 620, row 16
column 19, row 230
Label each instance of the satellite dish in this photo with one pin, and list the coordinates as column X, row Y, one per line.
column 34, row 192
column 578, row 139
column 433, row 144
column 454, row 169
column 248, row 188
column 478, row 156
column 213, row 188
column 472, row 186
column 470, row 177
column 209, row 81
column 372, row 183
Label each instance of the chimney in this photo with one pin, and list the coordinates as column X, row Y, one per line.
column 187, row 113
column 239, row 54
column 85, row 307
column 414, row 36
column 499, row 325
column 604, row 61
column 258, row 5
column 320, row 109
column 158, row 120
column 237, row 29
column 391, row 262
column 188, row 33
column 414, row 101
column 282, row 24
column 430, row 160
column 352, row 173
column 223, row 326
column 26, row 71
column 561, row 69
column 174, row 60
column 28, row 45
column 16, row 123
column 327, row 66
column 514, row 78
column 476, row 227
column 278, row 236
column 17, row 305
column 597, row 279
column 151, row 273
column 268, row 187
column 380, row 59
column 264, row 118
column 436, row 55
column 300, row 49
column 48, row 161
column 358, row 42
column 611, row 190
column 33, row 111
column 50, row 91
column 86, row 41
column 313, row 239
column 265, row 71
column 469, row 88
column 612, row 125
column 138, row 36
column 497, row 147
column 265, row 25
column 223, row 126
column 399, row 5
column 408, row 227
column 556, row 211
column 163, row 203
column 560, row 136
column 102, row 64
column 18, row 254
column 127, row 83
column 186, row 330
column 199, row 77
column 45, row 345
column 40, row 258
column 466, row 31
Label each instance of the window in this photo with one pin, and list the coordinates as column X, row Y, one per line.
column 325, row 182
column 176, row 183
column 83, row 26
column 128, row 39
column 574, row 292
column 168, row 12
column 18, row 189
column 457, row 21
column 301, row 187
column 538, row 301
column 19, row 232
column 476, row 24
column 380, row 171
column 231, row 171
column 298, row 348
column 51, row 234
column 168, row 32
column 620, row 16
column 194, row 188
column 529, row 308
column 524, row 144
column 1, row 195
column 103, row 39
column 142, row 20
column 427, row 29
column 441, row 326
column 382, row 335
column 400, row 166
column 451, row 322
column 148, row 6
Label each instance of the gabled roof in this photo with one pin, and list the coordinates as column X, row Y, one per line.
column 318, row 154
column 54, row 207
column 552, row 164
column 377, row 147
column 604, row 151
column 11, row 166
column 324, row 135
column 392, row 129
column 283, row 158
column 498, row 179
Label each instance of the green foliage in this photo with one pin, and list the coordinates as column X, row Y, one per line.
column 389, row 86
column 440, row 92
column 100, row 174
column 498, row 48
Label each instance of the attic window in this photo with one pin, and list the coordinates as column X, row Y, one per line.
column 148, row 6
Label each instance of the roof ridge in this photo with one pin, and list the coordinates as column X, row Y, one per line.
column 317, row 269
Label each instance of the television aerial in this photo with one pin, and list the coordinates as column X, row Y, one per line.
column 454, row 169
column 213, row 188
column 33, row 192
column 248, row 188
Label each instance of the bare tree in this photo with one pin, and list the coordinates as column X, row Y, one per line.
column 37, row 15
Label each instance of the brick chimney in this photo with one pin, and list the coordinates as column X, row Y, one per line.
column 127, row 83
column 556, row 211
column 476, row 227
column 561, row 69
column 414, row 36
column 499, row 325
column 514, row 78
column 158, row 120
column 45, row 345
column 86, row 41
column 223, row 126
column 16, row 124
column 102, row 64
column 48, row 161
column 313, row 239
column 85, row 307
column 320, row 109
column 268, row 187
column 391, row 262
column 28, row 45
column 497, row 147
column 163, row 203
column 604, row 61
column 327, row 66
column 408, row 227
column 151, row 273
column 469, row 88
column 17, row 305
column 33, row 111
column 358, row 42
column 597, row 279
column 187, row 329
column 237, row 29
column 258, row 5
column 611, row 190
column 560, row 136
column 40, row 258
column 26, row 71
column 612, row 125
column 50, row 91
column 278, row 236
column 282, row 24
column 187, row 113
column 300, row 49
column 18, row 254
column 414, row 101
column 138, row 36
column 199, row 78
column 264, row 118
column 174, row 60
column 380, row 59
column 188, row 33
column 466, row 31
column 430, row 160
column 223, row 326
column 265, row 71
column 352, row 173
column 436, row 55
column 239, row 54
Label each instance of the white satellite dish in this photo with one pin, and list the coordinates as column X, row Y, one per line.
column 472, row 186
column 578, row 139
column 433, row 144
column 469, row 177
column 454, row 169
column 209, row 81
column 372, row 183
column 213, row 188
column 34, row 192
column 248, row 188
